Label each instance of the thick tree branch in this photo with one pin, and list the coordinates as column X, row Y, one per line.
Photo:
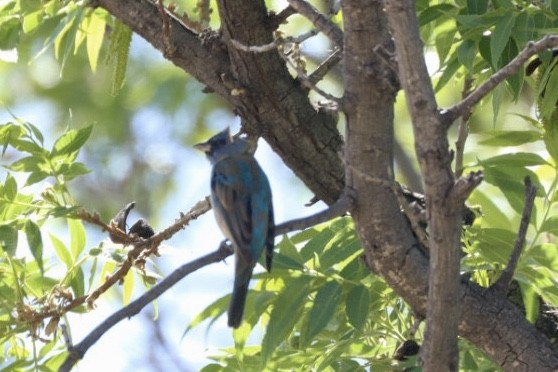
column 275, row 105
column 440, row 349
column 465, row 106
column 271, row 103
column 503, row 283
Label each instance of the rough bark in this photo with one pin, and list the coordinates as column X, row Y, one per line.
column 274, row 105
column 440, row 350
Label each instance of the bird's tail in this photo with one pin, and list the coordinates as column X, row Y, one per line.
column 240, row 290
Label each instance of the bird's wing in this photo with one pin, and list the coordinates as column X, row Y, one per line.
column 232, row 185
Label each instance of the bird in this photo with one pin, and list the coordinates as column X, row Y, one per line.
column 243, row 209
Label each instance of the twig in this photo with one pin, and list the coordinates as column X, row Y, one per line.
column 503, row 282
column 461, row 108
column 223, row 251
column 277, row 19
column 463, row 130
column 464, row 186
column 331, row 61
column 338, row 208
column 140, row 246
column 274, row 44
column 319, row 20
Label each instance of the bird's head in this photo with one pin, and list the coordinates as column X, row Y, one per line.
column 221, row 146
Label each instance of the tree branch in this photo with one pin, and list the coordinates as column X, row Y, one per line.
column 461, row 108
column 503, row 283
column 223, row 251
column 323, row 24
column 440, row 349
column 78, row 351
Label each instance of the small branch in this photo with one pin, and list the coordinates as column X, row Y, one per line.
column 337, row 209
column 274, row 44
column 323, row 24
column 461, row 108
column 463, row 131
column 223, row 251
column 503, row 282
column 464, row 186
column 331, row 61
column 78, row 351
column 277, row 19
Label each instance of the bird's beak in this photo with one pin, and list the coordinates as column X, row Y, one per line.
column 203, row 146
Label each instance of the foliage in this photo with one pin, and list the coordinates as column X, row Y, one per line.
column 320, row 307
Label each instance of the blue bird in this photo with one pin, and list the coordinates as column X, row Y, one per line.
column 241, row 200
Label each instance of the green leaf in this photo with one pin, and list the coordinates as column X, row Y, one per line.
column 316, row 244
column 10, row 30
column 518, row 159
column 119, row 49
column 514, row 82
column 510, row 138
column 495, row 245
column 62, row 251
column 287, row 248
column 323, row 309
column 510, row 181
column 35, row 242
column 434, row 12
column 550, row 225
column 73, row 170
column 8, row 239
column 95, row 26
column 449, row 73
column 128, row 288
column 32, row 20
column 71, row 141
column 10, row 188
column 213, row 311
column 27, row 164
column 283, row 316
column 357, row 306
column 35, row 177
column 531, row 302
column 78, row 282
column 501, row 36
column 77, row 237
column 466, row 54
column 548, row 105
column 444, row 43
column 477, row 6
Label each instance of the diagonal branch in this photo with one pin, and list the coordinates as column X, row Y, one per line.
column 323, row 24
column 503, row 282
column 463, row 107
column 223, row 251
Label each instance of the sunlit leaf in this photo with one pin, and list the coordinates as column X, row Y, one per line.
column 71, row 141
column 323, row 309
column 501, row 35
column 77, row 237
column 282, row 319
column 357, row 306
column 510, row 138
column 35, row 241
column 8, row 239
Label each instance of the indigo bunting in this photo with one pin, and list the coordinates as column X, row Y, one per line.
column 241, row 200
